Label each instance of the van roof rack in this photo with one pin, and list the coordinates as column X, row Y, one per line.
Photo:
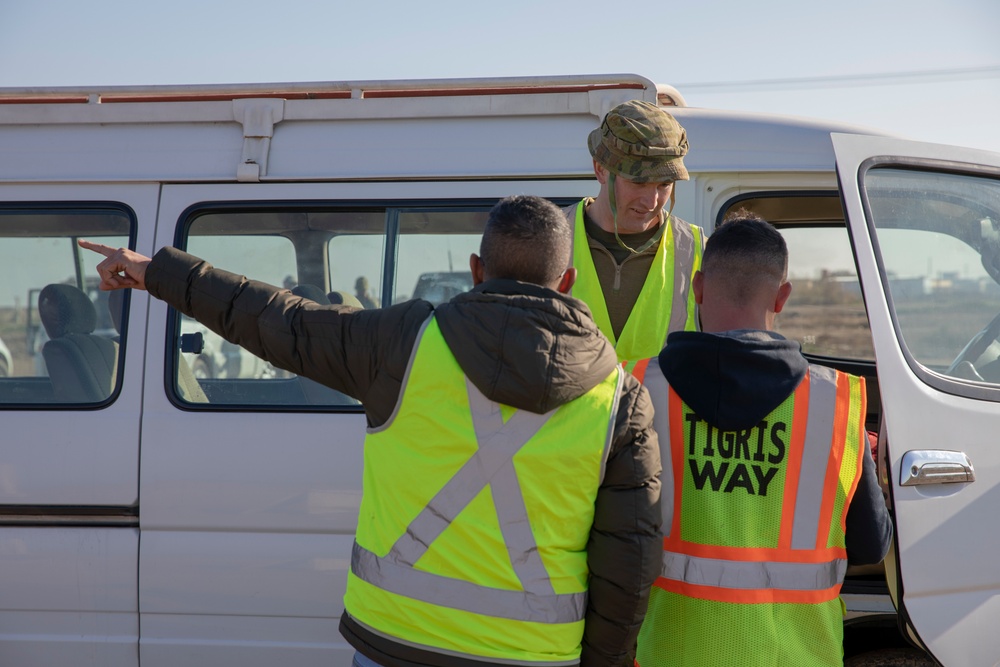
column 412, row 88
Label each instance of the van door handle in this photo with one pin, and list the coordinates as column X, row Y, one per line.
column 935, row 466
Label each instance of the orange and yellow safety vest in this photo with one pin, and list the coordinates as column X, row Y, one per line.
column 754, row 529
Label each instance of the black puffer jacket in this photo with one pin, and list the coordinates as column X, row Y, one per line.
column 520, row 344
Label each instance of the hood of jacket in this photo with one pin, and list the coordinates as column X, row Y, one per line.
column 524, row 345
column 732, row 379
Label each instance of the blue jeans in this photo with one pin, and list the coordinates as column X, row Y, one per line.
column 361, row 660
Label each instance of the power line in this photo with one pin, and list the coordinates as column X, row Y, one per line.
column 847, row 80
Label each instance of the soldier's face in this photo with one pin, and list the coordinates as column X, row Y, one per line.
column 639, row 204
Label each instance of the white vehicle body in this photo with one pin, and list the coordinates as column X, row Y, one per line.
column 155, row 526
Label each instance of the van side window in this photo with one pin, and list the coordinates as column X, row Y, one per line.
column 365, row 257
column 938, row 240
column 60, row 336
column 825, row 312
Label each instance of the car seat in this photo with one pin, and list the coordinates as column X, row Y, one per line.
column 81, row 365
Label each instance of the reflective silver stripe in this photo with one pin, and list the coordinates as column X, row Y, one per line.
column 571, row 212
column 683, row 268
column 750, row 575
column 505, row 440
column 492, row 465
column 659, row 391
column 612, row 417
column 815, row 456
column 464, row 595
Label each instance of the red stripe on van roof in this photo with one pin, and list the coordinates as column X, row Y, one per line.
column 457, row 91
column 225, row 97
column 31, row 99
column 520, row 90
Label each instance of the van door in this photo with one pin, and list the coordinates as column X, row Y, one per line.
column 925, row 226
column 70, row 398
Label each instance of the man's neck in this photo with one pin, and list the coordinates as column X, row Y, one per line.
column 608, row 240
column 599, row 210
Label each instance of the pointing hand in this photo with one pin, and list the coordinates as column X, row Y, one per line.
column 121, row 267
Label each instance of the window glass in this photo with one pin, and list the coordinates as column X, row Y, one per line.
column 331, row 255
column 265, row 258
column 938, row 236
column 356, row 269
column 318, row 254
column 825, row 312
column 434, row 250
column 59, row 341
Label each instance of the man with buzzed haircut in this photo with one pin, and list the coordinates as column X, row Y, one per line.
column 769, row 487
column 510, row 513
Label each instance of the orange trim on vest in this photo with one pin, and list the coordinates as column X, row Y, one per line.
column 794, row 468
column 640, row 369
column 862, row 439
column 676, row 412
column 749, row 554
column 840, row 420
column 746, row 596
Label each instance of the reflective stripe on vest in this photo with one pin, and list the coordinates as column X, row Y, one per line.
column 665, row 302
column 802, row 567
column 493, row 465
column 424, row 594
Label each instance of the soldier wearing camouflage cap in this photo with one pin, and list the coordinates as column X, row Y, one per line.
column 635, row 260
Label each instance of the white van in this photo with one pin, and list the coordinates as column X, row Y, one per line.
column 156, row 513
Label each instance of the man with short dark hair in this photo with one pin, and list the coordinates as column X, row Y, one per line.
column 510, row 513
column 769, row 487
column 634, row 257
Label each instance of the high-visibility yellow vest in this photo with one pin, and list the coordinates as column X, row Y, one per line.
column 666, row 301
column 474, row 522
column 754, row 529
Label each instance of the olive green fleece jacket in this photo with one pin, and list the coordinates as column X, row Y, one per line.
column 521, row 344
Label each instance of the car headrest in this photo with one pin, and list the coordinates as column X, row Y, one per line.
column 311, row 292
column 65, row 309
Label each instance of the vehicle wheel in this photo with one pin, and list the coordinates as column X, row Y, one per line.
column 891, row 657
column 201, row 369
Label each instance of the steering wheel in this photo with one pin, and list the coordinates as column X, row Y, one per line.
column 964, row 365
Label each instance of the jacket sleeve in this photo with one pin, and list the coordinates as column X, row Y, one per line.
column 625, row 548
column 362, row 353
column 869, row 528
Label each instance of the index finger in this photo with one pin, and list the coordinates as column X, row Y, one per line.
column 105, row 250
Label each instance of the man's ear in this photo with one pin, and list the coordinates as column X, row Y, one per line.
column 698, row 286
column 783, row 293
column 567, row 280
column 478, row 269
column 600, row 173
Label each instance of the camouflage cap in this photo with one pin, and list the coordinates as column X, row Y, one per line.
column 641, row 142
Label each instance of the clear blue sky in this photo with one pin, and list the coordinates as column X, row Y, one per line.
column 921, row 69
